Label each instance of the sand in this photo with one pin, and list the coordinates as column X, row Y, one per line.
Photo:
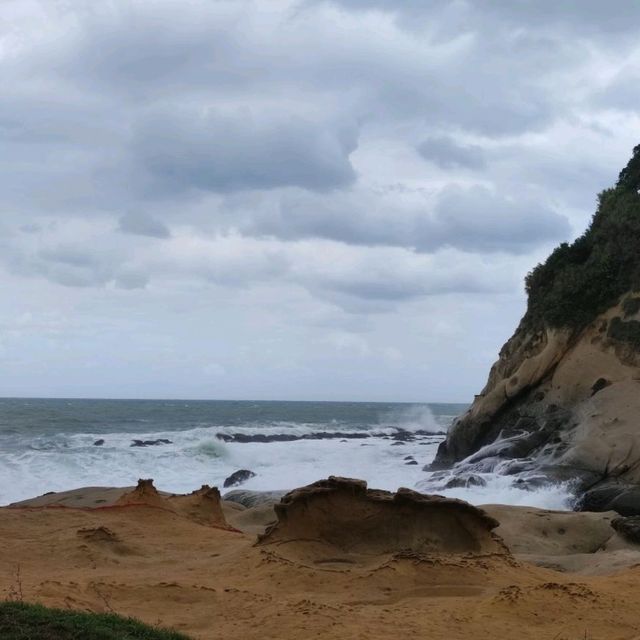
column 194, row 563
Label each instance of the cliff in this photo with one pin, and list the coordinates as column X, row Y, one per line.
column 563, row 400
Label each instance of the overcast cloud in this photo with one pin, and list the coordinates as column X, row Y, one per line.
column 295, row 198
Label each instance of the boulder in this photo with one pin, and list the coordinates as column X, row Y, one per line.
column 611, row 495
column 238, row 477
column 628, row 528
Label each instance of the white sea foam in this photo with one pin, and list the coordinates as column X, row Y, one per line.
column 500, row 489
column 196, row 456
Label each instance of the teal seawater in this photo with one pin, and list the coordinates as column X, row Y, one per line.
column 48, row 444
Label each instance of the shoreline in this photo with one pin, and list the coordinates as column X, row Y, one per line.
column 192, row 563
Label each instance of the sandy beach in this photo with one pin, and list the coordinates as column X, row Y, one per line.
column 337, row 561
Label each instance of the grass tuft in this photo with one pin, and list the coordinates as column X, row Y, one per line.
column 21, row 621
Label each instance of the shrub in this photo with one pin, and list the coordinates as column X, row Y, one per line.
column 583, row 279
column 631, row 306
column 628, row 331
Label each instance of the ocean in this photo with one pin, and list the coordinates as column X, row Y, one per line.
column 50, row 445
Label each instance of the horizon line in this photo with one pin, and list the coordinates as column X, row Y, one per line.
column 159, row 399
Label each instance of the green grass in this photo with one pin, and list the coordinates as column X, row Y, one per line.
column 21, row 621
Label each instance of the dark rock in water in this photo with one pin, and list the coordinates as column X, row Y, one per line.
column 465, row 482
column 98, row 443
column 411, row 462
column 289, row 437
column 476, row 481
column 402, row 435
column 408, row 458
column 628, row 527
column 397, row 444
column 612, row 496
column 253, row 498
column 238, row 477
column 429, row 434
column 441, row 461
column 580, row 479
column 487, row 465
column 532, row 476
column 150, row 443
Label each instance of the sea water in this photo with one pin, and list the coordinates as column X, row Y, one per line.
column 49, row 445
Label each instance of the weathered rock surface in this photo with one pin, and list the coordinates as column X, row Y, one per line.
column 546, row 408
column 251, row 499
column 629, row 528
column 203, row 506
column 344, row 515
column 585, row 543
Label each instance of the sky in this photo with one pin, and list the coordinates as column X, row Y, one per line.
column 294, row 199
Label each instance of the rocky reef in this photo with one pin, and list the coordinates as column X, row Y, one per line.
column 562, row 403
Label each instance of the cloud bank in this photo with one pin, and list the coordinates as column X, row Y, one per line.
column 273, row 175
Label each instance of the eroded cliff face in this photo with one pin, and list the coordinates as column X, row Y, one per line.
column 562, row 403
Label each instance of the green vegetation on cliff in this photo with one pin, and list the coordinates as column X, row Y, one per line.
column 21, row 621
column 583, row 279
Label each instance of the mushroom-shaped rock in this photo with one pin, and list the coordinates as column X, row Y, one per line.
column 351, row 518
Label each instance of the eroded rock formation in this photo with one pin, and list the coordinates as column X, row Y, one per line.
column 346, row 519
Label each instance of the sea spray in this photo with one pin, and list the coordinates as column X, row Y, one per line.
column 415, row 418
column 48, row 445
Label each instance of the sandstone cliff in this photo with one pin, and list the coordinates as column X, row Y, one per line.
column 563, row 400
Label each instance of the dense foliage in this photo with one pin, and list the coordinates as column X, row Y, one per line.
column 628, row 331
column 19, row 621
column 583, row 279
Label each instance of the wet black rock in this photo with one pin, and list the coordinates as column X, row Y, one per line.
column 98, row 443
column 402, row 435
column 612, row 496
column 628, row 528
column 465, row 482
column 411, row 462
column 238, row 477
column 150, row 443
column 289, row 437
